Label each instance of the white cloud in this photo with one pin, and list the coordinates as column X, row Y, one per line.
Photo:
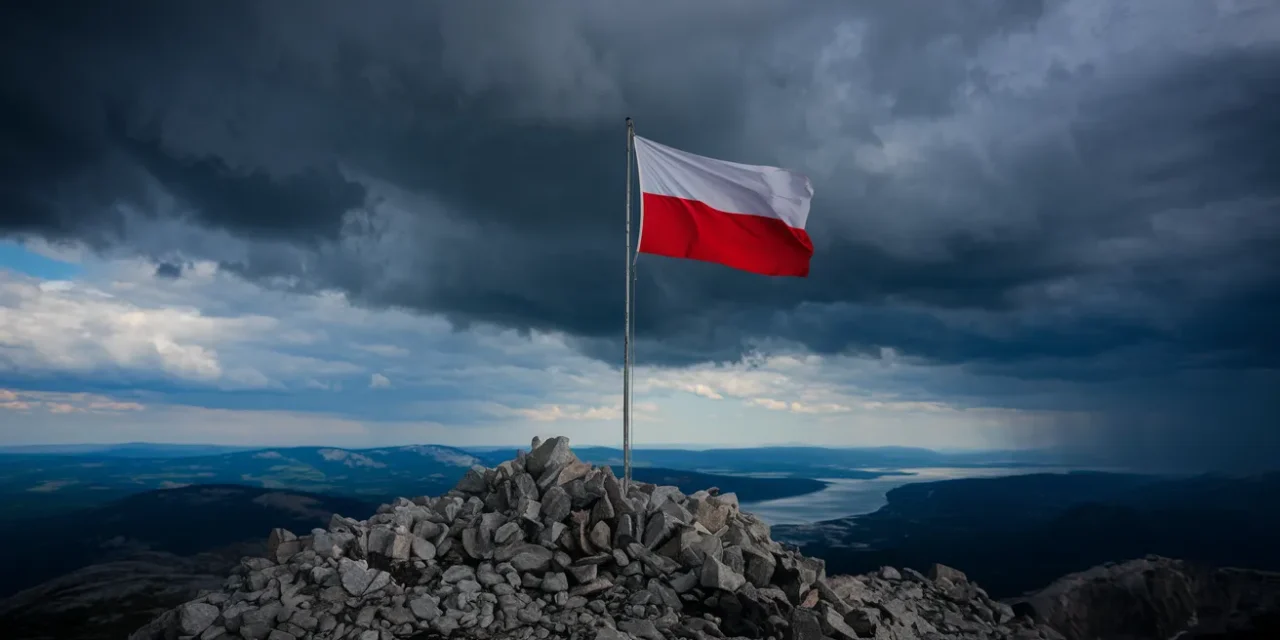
column 68, row 326
column 770, row 403
column 384, row 350
column 212, row 332
column 61, row 403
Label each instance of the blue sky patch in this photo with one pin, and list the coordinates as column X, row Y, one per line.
column 16, row 257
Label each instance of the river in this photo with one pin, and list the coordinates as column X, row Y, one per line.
column 844, row 497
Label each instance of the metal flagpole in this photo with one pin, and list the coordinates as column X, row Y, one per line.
column 626, row 338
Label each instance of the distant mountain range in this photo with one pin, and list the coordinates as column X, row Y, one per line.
column 51, row 478
column 44, row 480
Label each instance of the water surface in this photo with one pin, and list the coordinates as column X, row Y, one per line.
column 844, row 497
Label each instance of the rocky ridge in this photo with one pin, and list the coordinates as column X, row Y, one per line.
column 1157, row 597
column 547, row 545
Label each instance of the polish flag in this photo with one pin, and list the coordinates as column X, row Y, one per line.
column 743, row 216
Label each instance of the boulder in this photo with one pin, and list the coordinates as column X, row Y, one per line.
column 659, row 529
column 942, row 571
column 195, row 617
column 472, row 481
column 390, row 544
column 600, row 536
column 525, row 556
column 554, row 452
column 556, row 505
column 717, row 575
column 508, row 533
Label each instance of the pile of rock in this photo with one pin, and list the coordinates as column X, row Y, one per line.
column 546, row 545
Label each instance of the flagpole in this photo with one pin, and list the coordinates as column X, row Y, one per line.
column 626, row 337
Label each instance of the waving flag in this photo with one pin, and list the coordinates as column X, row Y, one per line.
column 743, row 216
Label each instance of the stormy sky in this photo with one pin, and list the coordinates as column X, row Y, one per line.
column 1036, row 223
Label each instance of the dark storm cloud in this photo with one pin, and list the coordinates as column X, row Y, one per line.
column 168, row 270
column 467, row 159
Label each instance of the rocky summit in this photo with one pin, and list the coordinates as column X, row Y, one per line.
column 546, row 545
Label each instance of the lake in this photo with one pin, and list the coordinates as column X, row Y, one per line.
column 845, row 497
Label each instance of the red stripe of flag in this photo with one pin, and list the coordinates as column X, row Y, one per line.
column 682, row 228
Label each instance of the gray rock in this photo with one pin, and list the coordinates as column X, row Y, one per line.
column 472, row 481
column 556, row 505
column 659, row 529
column 660, row 564
column 759, row 567
column 1003, row 612
column 583, row 574
column 600, row 536
column 422, row 549
column 690, row 546
column 555, row 582
column 524, row 486
column 257, row 624
column 525, row 556
column 613, row 491
column 489, row 524
column 663, row 494
column 508, row 533
column 553, row 452
column 575, row 470
column 718, row 575
column 833, row 623
column 486, row 576
column 304, row 620
column 641, row 629
column 675, row 510
column 529, row 510
column 458, row 573
column 551, row 535
column 476, row 544
column 732, row 556
column 425, row 607
column 195, row 617
column 806, row 626
column 591, row 588
column 709, row 514
column 889, row 573
column 398, row 615
column 560, row 560
column 278, row 537
column 356, row 576
column 863, row 621
column 603, row 510
column 940, row 571
column 427, row 530
column 726, row 499
column 620, row 558
column 387, row 542
column 277, row 634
